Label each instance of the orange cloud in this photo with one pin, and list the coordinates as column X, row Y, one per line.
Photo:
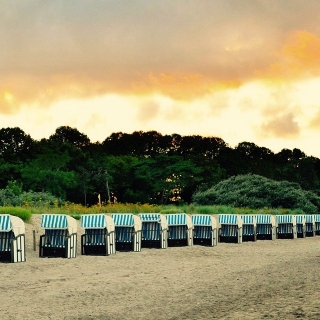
column 298, row 58
column 181, row 86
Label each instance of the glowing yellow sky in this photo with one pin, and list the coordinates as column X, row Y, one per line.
column 239, row 70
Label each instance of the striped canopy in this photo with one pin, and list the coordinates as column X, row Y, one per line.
column 285, row 218
column 263, row 219
column 230, row 219
column 5, row 222
column 248, row 219
column 300, row 219
column 122, row 219
column 54, row 221
column 177, row 219
column 309, row 218
column 201, row 220
column 150, row 217
column 93, row 221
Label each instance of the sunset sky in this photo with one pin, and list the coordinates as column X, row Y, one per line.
column 244, row 70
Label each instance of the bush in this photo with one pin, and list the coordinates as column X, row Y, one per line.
column 22, row 213
column 253, row 191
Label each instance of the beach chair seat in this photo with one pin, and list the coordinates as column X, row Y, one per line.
column 249, row 228
column 60, row 236
column 99, row 237
column 12, row 239
column 205, row 231
column 127, row 231
column 286, row 227
column 180, row 228
column 230, row 228
column 154, row 230
column 266, row 227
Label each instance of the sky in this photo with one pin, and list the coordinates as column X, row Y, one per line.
column 242, row 71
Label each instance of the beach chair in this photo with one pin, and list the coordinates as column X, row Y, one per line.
column 154, row 230
column 60, row 236
column 205, row 231
column 266, row 227
column 99, row 237
column 128, row 231
column 286, row 226
column 249, row 227
column 12, row 239
column 317, row 224
column 180, row 229
column 230, row 228
column 301, row 226
column 310, row 225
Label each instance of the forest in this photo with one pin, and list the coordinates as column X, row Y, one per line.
column 142, row 167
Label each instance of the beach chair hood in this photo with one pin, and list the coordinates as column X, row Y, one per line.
column 59, row 221
column 204, row 220
column 230, row 219
column 154, row 217
column 12, row 223
column 97, row 221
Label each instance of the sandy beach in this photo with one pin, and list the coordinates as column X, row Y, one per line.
column 262, row 280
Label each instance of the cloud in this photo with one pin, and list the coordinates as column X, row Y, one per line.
column 284, row 126
column 315, row 120
column 148, row 111
column 69, row 49
column 298, row 58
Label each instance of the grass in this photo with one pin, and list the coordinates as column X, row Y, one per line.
column 76, row 210
column 22, row 213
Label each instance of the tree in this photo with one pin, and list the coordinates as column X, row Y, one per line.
column 15, row 144
column 70, row 135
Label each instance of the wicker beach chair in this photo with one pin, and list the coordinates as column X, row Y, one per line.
column 128, row 231
column 99, row 237
column 230, row 228
column 60, row 237
column 154, row 230
column 317, row 224
column 310, row 225
column 12, row 239
column 249, row 227
column 266, row 227
column 286, row 227
column 180, row 229
column 301, row 226
column 205, row 231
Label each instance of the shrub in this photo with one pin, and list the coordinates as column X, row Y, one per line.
column 256, row 192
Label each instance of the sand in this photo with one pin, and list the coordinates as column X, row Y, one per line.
column 262, row 280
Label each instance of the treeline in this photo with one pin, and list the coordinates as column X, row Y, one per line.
column 142, row 167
